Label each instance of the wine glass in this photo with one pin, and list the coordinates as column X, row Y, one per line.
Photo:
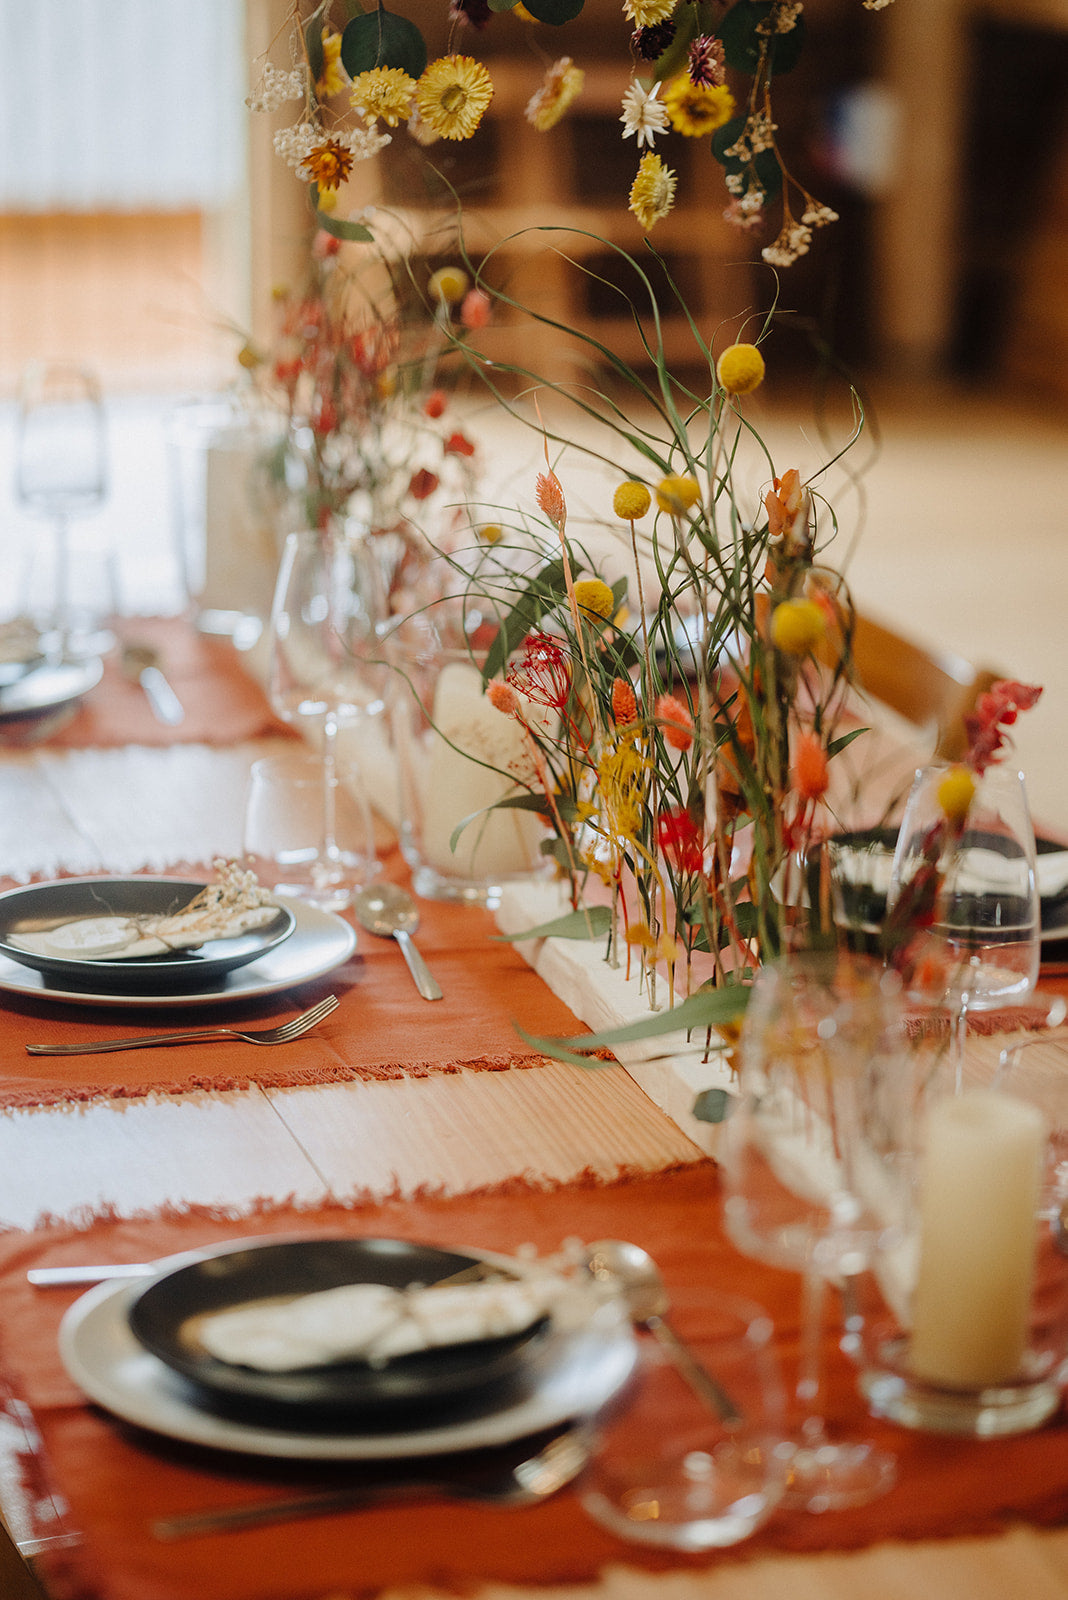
column 982, row 947
column 815, row 1170
column 60, row 475
column 325, row 675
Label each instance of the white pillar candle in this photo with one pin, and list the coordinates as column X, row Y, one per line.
column 980, row 1179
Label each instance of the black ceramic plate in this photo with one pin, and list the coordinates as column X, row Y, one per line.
column 45, row 905
column 865, row 897
column 163, row 1318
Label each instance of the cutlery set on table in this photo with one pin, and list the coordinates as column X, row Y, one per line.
column 399, row 1370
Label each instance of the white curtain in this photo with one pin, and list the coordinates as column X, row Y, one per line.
column 121, row 105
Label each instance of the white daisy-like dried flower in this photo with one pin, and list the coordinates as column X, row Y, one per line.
column 876, row 5
column 643, row 114
column 276, row 87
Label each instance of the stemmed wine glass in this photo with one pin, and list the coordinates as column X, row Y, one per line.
column 60, row 475
column 325, row 674
column 815, row 1170
column 982, row 948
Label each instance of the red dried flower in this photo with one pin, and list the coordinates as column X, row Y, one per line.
column 458, row 445
column 679, row 838
column 543, row 673
column 435, row 403
column 996, row 710
column 423, row 484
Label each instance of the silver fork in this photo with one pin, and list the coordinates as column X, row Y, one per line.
column 280, row 1035
column 523, row 1484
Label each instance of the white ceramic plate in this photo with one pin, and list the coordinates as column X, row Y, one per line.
column 49, row 688
column 320, row 942
column 576, row 1373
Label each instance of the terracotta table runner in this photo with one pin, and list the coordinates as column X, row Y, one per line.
column 223, row 703
column 381, row 1029
column 116, row 1479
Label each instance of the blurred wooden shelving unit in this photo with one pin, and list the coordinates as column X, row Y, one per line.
column 546, row 213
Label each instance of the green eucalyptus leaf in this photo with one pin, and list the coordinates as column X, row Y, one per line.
column 313, row 44
column 540, row 595
column 380, row 39
column 714, row 1105
column 353, row 232
column 706, row 1009
column 743, row 43
column 841, row 743
column 588, row 924
column 503, row 5
column 555, row 12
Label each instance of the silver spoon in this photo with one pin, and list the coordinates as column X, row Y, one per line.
column 391, row 912
column 523, row 1483
column 637, row 1277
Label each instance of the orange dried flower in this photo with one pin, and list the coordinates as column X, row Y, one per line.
column 624, row 702
column 677, row 721
column 549, row 494
column 503, row 697
column 810, row 775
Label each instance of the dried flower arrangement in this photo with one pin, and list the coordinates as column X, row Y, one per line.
column 696, row 69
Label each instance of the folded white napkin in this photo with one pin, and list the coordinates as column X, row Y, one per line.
column 373, row 1323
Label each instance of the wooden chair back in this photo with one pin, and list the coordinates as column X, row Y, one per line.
column 932, row 690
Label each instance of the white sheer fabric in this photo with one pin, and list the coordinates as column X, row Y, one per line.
column 126, row 105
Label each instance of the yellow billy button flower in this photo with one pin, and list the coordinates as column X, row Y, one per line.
column 740, row 369
column 797, row 626
column 491, row 533
column 631, row 501
column 955, row 793
column 448, row 284
column 593, row 596
column 676, row 495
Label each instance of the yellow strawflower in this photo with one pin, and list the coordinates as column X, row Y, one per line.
column 452, row 96
column 740, row 369
column 386, row 92
column 631, row 501
column 652, row 194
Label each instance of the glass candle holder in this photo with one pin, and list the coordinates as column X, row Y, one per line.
column 971, row 1330
column 457, row 757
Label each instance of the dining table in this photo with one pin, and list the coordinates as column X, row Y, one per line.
column 434, row 1124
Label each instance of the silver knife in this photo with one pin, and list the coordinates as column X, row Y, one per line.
column 139, row 663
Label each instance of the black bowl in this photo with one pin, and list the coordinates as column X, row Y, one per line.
column 45, row 905
column 163, row 1318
